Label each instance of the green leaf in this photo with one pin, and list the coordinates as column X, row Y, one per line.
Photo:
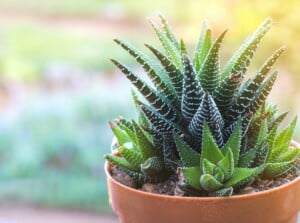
column 145, row 146
column 170, row 48
column 120, row 134
column 282, row 141
column 284, row 138
column 219, row 174
column 247, row 158
column 261, row 155
column 208, row 167
column 132, row 156
column 210, row 150
column 192, row 176
column 203, row 46
column 263, row 132
column 120, row 161
column 227, row 164
column 127, row 127
column 224, row 192
column 152, row 167
column 169, row 32
column 209, row 183
column 273, row 170
column 188, row 156
column 183, row 47
column 288, row 155
column 234, row 142
column 242, row 176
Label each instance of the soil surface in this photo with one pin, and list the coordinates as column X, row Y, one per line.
column 172, row 185
column 37, row 215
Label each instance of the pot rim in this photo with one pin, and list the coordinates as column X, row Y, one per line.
column 234, row 197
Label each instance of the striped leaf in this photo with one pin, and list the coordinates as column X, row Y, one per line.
column 209, row 74
column 188, row 156
column 169, row 153
column 242, row 58
column 152, row 167
column 250, row 101
column 263, row 93
column 226, row 91
column 152, row 71
column 207, row 112
column 174, row 74
column 139, row 178
column 276, row 121
column 162, row 105
column 159, row 123
column 264, row 70
column 248, row 92
column 191, row 92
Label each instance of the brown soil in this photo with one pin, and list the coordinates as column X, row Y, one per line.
column 267, row 184
column 36, row 215
column 169, row 187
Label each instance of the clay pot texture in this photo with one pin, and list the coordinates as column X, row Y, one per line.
column 278, row 205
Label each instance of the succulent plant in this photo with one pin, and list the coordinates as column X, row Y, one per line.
column 214, row 172
column 187, row 92
column 194, row 110
column 219, row 172
column 139, row 156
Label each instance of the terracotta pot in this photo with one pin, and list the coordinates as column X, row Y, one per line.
column 278, row 205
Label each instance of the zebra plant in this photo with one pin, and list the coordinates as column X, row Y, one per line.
column 188, row 92
column 208, row 121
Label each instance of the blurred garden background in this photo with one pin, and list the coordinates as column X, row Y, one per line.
column 58, row 89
